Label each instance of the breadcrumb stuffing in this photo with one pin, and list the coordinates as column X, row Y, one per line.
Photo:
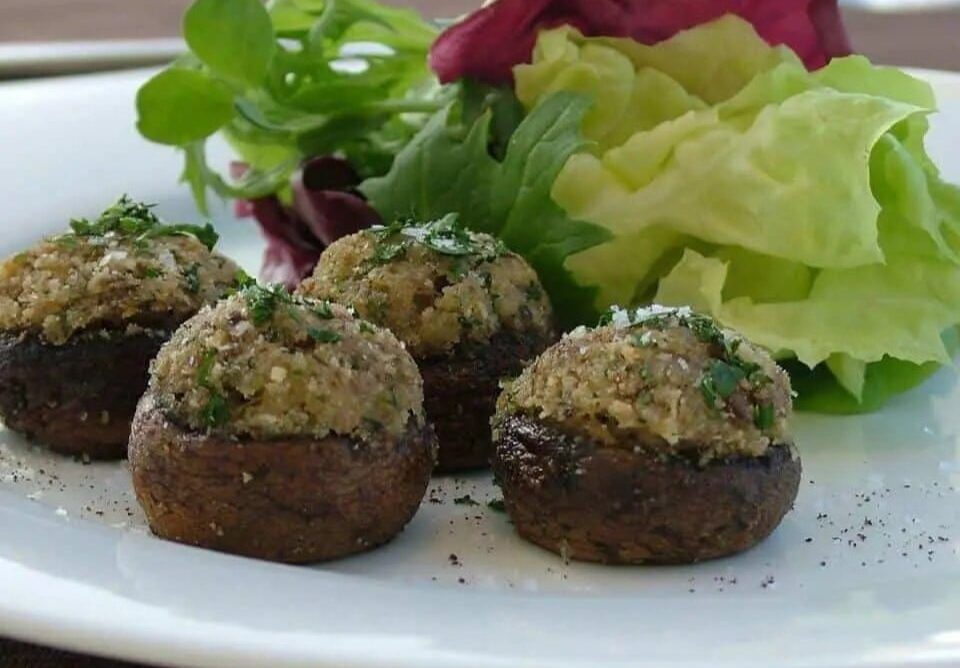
column 666, row 383
column 63, row 286
column 263, row 365
column 432, row 294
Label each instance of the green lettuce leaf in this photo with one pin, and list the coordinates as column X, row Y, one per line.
column 867, row 313
column 449, row 168
column 820, row 389
column 798, row 208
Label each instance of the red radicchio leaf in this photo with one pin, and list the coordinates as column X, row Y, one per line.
column 326, row 206
column 292, row 250
column 488, row 43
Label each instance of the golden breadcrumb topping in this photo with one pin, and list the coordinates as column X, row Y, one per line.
column 264, row 364
column 123, row 268
column 660, row 379
column 434, row 285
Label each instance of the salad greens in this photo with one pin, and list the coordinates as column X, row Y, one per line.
column 509, row 198
column 778, row 200
column 710, row 153
column 288, row 81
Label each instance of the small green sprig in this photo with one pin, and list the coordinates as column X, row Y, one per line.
column 720, row 381
column 191, row 278
column 323, row 335
column 445, row 236
column 216, row 412
column 763, row 416
column 137, row 221
column 263, row 302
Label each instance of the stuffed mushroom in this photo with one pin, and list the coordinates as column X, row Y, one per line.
column 281, row 428
column 657, row 438
column 471, row 313
column 83, row 313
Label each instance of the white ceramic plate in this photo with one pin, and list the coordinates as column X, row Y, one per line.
column 35, row 59
column 864, row 572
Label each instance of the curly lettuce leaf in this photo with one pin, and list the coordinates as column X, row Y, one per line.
column 798, row 208
column 821, row 390
column 740, row 172
column 449, row 168
column 867, row 313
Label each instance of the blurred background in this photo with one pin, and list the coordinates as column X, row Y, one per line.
column 920, row 33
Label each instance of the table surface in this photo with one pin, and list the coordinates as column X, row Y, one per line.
column 916, row 38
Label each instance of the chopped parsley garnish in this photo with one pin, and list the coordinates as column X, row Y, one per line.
column 709, row 391
column 204, row 368
column 366, row 327
column 497, row 505
column 387, row 231
column 763, row 416
column 205, row 235
column 243, row 280
column 323, row 310
column 720, row 381
column 124, row 217
column 725, row 377
column 448, row 237
column 323, row 335
column 129, row 219
column 263, row 301
column 386, row 252
column 706, row 330
column 191, row 278
column 152, row 272
column 445, row 236
column 216, row 412
column 465, row 500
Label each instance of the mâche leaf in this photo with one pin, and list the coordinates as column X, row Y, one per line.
column 288, row 82
column 234, row 38
column 161, row 103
